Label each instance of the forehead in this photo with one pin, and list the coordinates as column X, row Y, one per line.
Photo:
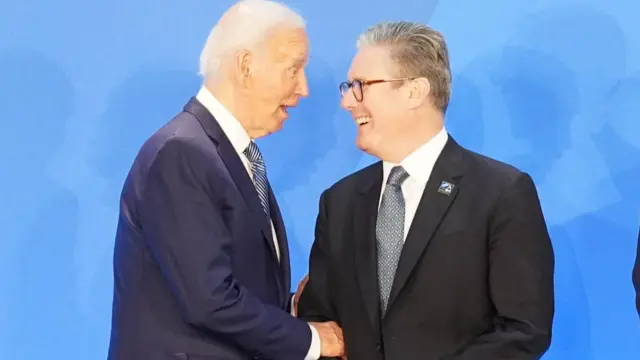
column 370, row 63
column 288, row 44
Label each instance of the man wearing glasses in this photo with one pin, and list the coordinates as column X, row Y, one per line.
column 434, row 252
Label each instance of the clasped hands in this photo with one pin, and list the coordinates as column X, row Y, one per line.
column 331, row 339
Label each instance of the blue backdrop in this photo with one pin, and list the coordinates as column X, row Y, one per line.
column 551, row 86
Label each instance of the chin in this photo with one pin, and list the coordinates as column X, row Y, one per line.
column 369, row 147
column 277, row 126
column 362, row 145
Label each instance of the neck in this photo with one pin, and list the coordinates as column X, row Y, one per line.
column 424, row 128
column 233, row 102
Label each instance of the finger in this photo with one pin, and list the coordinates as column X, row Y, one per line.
column 338, row 331
column 333, row 324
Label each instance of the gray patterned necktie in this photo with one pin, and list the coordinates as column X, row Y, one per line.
column 259, row 171
column 390, row 233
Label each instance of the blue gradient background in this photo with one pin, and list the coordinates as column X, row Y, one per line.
column 552, row 86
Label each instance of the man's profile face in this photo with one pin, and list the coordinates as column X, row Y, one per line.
column 279, row 79
column 378, row 114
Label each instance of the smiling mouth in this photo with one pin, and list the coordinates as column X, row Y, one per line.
column 362, row 120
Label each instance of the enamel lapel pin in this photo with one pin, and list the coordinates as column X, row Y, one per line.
column 445, row 188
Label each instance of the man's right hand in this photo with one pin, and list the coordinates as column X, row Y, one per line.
column 331, row 339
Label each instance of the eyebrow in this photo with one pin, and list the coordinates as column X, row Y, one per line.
column 357, row 77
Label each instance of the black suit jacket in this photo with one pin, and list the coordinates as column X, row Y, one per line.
column 636, row 276
column 475, row 278
column 196, row 272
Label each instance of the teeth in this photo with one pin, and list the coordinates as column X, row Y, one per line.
column 363, row 120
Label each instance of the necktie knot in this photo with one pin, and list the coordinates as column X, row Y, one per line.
column 253, row 153
column 397, row 176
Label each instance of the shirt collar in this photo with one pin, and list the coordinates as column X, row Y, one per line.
column 231, row 127
column 420, row 162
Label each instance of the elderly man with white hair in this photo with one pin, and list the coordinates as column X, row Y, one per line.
column 201, row 261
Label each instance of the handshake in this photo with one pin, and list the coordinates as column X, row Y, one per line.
column 331, row 339
column 330, row 334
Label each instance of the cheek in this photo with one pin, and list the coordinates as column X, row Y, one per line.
column 280, row 91
column 384, row 121
column 385, row 107
column 268, row 87
column 378, row 109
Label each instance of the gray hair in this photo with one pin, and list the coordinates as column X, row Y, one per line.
column 417, row 51
column 244, row 26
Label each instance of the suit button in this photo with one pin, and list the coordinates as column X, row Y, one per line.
column 379, row 348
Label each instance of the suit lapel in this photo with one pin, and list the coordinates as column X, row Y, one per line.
column 283, row 245
column 235, row 166
column 440, row 192
column 365, row 215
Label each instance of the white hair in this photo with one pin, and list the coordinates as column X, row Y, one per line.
column 245, row 25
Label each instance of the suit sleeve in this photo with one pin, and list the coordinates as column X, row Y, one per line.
column 315, row 301
column 521, row 270
column 186, row 234
column 636, row 276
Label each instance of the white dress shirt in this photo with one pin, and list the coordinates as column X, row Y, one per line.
column 239, row 139
column 418, row 165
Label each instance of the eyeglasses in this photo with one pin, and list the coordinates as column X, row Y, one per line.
column 357, row 85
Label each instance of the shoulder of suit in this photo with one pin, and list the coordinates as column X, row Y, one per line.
column 356, row 179
column 182, row 132
column 178, row 127
column 488, row 167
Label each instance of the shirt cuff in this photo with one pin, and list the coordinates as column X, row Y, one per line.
column 293, row 311
column 314, row 349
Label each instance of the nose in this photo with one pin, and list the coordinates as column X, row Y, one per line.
column 348, row 101
column 303, row 86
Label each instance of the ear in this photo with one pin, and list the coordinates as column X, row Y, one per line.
column 243, row 66
column 419, row 90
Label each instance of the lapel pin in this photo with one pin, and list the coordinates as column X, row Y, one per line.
column 445, row 188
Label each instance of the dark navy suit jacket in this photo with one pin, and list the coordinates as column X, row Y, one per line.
column 636, row 275
column 196, row 272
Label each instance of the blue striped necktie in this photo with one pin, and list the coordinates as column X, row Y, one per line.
column 259, row 171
